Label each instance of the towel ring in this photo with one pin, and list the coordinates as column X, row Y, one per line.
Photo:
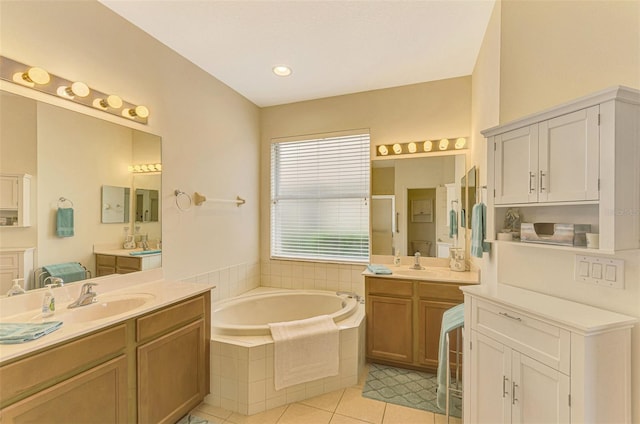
column 182, row 195
column 63, row 200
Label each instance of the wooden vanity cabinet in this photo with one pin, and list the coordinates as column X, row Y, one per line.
column 117, row 264
column 150, row 369
column 404, row 319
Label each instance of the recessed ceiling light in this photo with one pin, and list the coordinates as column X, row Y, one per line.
column 282, row 70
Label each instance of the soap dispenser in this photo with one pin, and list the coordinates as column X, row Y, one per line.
column 396, row 259
column 48, row 303
column 16, row 288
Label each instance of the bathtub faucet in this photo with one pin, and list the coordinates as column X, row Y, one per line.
column 352, row 295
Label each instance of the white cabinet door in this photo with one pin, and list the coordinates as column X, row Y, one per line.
column 516, row 166
column 569, row 157
column 539, row 393
column 490, row 389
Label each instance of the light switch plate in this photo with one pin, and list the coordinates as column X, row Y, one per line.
column 600, row 271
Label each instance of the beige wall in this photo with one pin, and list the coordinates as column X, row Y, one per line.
column 537, row 54
column 210, row 134
column 430, row 110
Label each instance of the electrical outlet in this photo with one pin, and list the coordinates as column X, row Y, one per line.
column 600, row 271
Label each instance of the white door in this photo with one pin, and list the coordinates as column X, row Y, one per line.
column 490, row 389
column 569, row 157
column 540, row 394
column 383, row 214
column 516, row 166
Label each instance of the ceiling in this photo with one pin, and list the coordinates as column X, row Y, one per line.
column 334, row 47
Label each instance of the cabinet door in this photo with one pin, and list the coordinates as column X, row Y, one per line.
column 98, row 395
column 516, row 165
column 171, row 374
column 490, row 389
column 430, row 321
column 540, row 394
column 8, row 192
column 569, row 157
column 389, row 329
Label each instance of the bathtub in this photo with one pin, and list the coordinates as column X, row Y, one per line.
column 250, row 315
column 242, row 354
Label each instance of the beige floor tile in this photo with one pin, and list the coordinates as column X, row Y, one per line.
column 397, row 414
column 354, row 405
column 327, row 402
column 442, row 419
column 216, row 411
column 342, row 419
column 270, row 416
column 297, row 413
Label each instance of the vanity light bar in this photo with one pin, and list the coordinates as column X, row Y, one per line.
column 74, row 91
column 429, row 146
column 145, row 168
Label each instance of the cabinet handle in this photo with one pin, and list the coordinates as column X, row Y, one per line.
column 504, row 314
column 514, row 399
column 504, row 386
column 532, row 178
column 542, row 175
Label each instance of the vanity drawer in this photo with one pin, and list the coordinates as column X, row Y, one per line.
column 538, row 339
column 154, row 324
column 440, row 291
column 389, row 287
column 130, row 263
column 106, row 260
column 53, row 365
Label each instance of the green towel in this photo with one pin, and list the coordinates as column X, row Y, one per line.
column 64, row 222
column 453, row 224
column 479, row 230
column 145, row 252
column 17, row 332
column 68, row 271
column 451, row 319
column 379, row 269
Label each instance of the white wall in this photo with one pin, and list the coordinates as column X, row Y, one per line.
column 210, row 134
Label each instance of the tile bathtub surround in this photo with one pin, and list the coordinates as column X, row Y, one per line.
column 242, row 373
column 312, row 276
column 230, row 281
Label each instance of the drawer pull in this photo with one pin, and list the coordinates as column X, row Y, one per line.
column 513, row 393
column 504, row 314
column 504, row 386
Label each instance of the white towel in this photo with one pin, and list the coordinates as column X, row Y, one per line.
column 305, row 350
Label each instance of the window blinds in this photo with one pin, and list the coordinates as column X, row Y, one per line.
column 319, row 199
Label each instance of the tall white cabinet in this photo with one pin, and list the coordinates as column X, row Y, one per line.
column 533, row 358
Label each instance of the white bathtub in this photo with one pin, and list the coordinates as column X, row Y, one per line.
column 242, row 353
column 250, row 315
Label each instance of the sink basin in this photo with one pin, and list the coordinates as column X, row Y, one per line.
column 107, row 306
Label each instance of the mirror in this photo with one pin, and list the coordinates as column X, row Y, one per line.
column 85, row 161
column 410, row 203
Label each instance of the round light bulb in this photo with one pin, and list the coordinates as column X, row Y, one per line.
column 460, row 143
column 412, row 147
column 137, row 168
column 428, row 146
column 130, row 168
column 282, row 70
column 158, row 167
column 37, row 76
column 397, row 149
column 79, row 89
column 144, row 168
column 142, row 111
column 444, row 144
column 383, row 150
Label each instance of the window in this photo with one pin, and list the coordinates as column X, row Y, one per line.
column 320, row 198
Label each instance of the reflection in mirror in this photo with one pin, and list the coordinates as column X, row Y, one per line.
column 471, row 192
column 463, row 203
column 72, row 155
column 115, row 204
column 424, row 191
column 147, row 205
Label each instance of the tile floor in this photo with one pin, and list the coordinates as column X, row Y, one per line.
column 344, row 406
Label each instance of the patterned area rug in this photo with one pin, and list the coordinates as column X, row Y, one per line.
column 192, row 419
column 410, row 388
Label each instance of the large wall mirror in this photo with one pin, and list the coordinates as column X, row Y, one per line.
column 411, row 200
column 87, row 162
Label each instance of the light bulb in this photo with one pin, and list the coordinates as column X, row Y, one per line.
column 397, row 149
column 78, row 88
column 130, row 168
column 140, row 111
column 412, row 147
column 444, row 144
column 282, row 70
column 460, row 143
column 428, row 145
column 144, row 168
column 36, row 75
column 383, row 150
column 158, row 167
column 111, row 101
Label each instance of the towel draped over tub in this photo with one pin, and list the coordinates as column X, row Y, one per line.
column 305, row 350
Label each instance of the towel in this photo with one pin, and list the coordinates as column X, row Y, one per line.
column 16, row 332
column 68, row 271
column 453, row 224
column 451, row 319
column 64, row 222
column 144, row 252
column 379, row 269
column 463, row 217
column 305, row 350
column 479, row 230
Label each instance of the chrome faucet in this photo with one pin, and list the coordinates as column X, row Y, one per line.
column 416, row 264
column 87, row 296
column 353, row 295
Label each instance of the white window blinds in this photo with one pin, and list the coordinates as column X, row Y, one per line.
column 320, row 199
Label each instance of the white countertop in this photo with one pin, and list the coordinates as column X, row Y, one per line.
column 20, row 308
column 430, row 273
column 572, row 315
column 125, row 252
